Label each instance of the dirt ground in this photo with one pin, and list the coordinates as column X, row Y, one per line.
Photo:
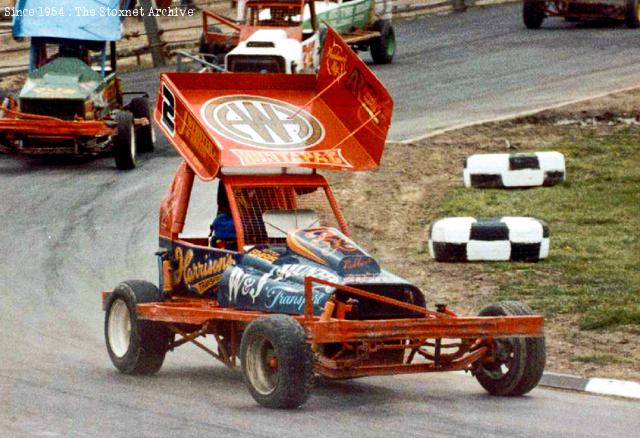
column 391, row 208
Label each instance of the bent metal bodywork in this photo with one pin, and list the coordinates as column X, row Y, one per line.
column 290, row 292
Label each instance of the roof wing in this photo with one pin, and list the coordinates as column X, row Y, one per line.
column 72, row 24
column 355, row 94
column 337, row 120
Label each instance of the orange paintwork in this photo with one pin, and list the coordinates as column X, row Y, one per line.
column 244, row 31
column 196, row 311
column 210, row 18
column 32, row 125
column 173, row 207
column 337, row 120
column 354, row 111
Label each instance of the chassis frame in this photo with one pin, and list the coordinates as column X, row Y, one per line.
column 472, row 339
column 87, row 136
column 424, row 335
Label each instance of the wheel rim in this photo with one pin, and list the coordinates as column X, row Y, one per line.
column 262, row 365
column 119, row 328
column 504, row 357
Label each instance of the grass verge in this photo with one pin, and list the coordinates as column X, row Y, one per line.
column 594, row 218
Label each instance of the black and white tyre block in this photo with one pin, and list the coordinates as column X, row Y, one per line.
column 514, row 170
column 468, row 239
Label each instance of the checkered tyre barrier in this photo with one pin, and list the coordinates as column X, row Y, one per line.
column 467, row 239
column 514, row 170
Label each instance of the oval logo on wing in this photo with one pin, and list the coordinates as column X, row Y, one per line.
column 262, row 122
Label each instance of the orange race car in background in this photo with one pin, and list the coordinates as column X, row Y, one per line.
column 535, row 11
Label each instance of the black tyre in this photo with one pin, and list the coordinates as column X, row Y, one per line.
column 124, row 142
column 532, row 15
column 277, row 363
column 519, row 362
column 134, row 346
column 383, row 48
column 632, row 14
column 145, row 137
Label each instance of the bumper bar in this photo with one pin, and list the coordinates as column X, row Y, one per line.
column 50, row 127
column 199, row 311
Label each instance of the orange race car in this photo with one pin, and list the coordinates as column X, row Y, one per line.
column 278, row 283
column 535, row 11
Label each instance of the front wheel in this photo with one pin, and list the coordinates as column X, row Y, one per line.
column 532, row 15
column 277, row 363
column 134, row 346
column 518, row 363
column 383, row 48
column 124, row 142
column 632, row 14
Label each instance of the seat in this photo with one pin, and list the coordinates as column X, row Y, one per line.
column 278, row 223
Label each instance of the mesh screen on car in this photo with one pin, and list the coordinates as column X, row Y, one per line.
column 253, row 202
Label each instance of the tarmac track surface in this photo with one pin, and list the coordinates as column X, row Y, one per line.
column 483, row 64
column 72, row 228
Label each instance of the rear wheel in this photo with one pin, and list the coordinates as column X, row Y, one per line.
column 519, row 362
column 277, row 363
column 134, row 346
column 532, row 15
column 383, row 48
column 124, row 142
column 632, row 14
column 145, row 137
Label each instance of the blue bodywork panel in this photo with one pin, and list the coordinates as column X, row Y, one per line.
column 278, row 287
column 270, row 278
column 67, row 21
